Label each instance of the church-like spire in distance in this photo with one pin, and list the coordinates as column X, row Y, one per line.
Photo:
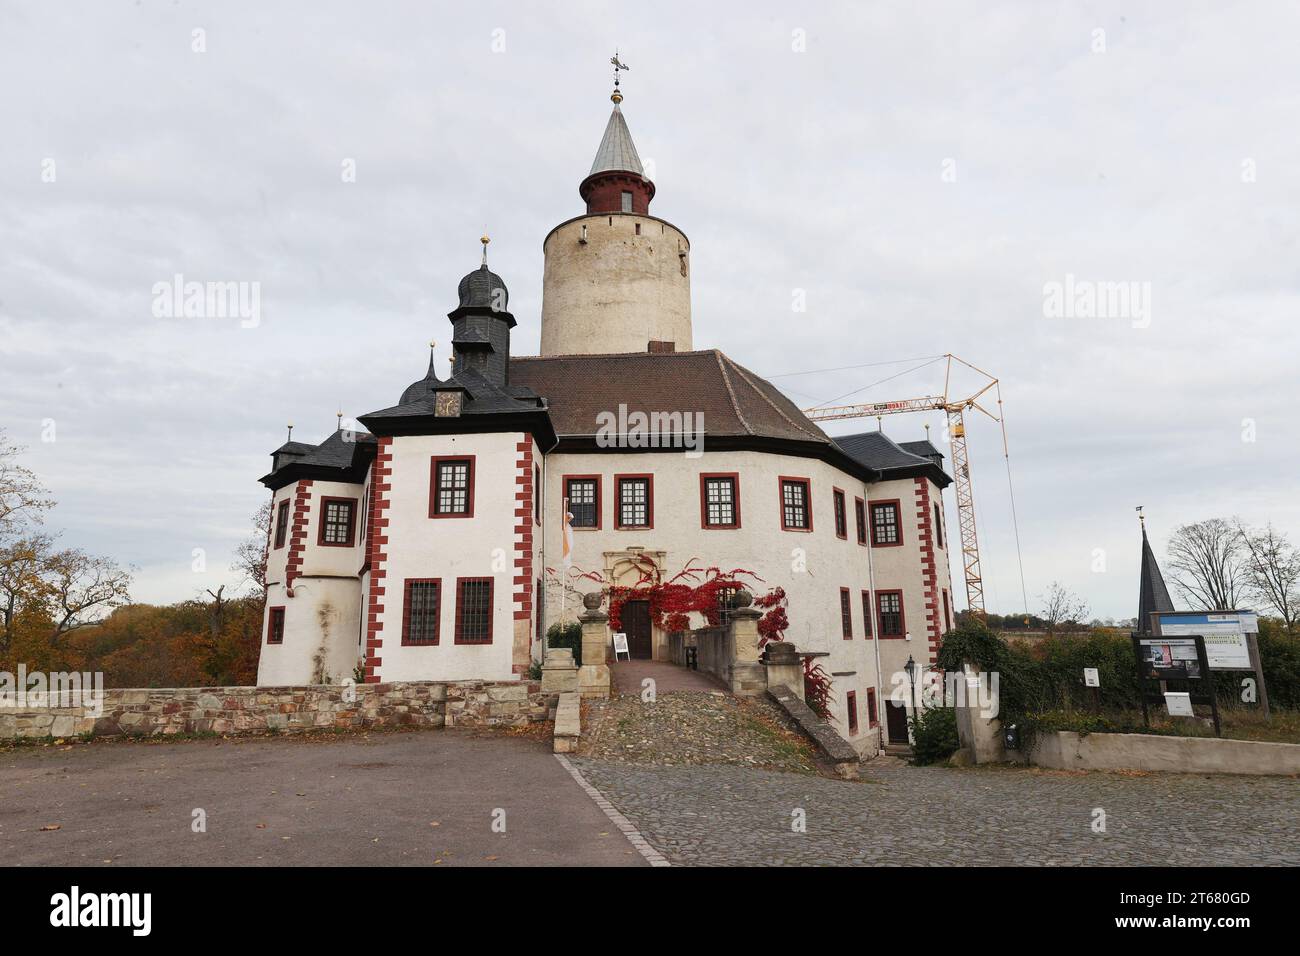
column 1152, row 593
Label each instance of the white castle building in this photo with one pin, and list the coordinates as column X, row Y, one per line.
column 420, row 547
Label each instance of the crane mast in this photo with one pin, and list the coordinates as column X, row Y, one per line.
column 955, row 410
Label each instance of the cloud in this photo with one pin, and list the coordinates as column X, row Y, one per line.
column 819, row 170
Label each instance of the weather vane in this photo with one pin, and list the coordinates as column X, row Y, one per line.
column 619, row 65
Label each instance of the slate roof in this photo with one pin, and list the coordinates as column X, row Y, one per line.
column 478, row 287
column 617, row 151
column 516, row 406
column 878, row 451
column 343, row 456
column 922, row 448
column 733, row 400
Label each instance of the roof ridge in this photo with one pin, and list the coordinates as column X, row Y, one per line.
column 731, row 392
column 591, row 355
column 745, row 374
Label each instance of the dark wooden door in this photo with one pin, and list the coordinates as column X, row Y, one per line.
column 636, row 625
column 896, row 722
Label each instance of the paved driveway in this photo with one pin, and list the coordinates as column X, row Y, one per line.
column 726, row 815
column 336, row 800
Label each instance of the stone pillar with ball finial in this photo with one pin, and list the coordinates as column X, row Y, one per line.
column 746, row 676
column 593, row 675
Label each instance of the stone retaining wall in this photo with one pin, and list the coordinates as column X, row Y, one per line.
column 1064, row 750
column 258, row 710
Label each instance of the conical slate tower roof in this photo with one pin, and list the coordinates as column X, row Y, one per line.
column 617, row 151
column 1152, row 593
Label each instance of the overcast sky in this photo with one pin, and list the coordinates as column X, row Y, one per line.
column 920, row 170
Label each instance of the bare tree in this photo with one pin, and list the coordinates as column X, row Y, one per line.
column 1206, row 559
column 83, row 588
column 251, row 555
column 1272, row 570
column 22, row 496
column 1061, row 606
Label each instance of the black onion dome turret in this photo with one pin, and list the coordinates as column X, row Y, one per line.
column 480, row 288
column 422, row 388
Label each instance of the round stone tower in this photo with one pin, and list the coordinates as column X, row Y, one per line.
column 616, row 279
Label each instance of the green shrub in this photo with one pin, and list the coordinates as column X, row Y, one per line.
column 934, row 735
column 1041, row 685
column 566, row 635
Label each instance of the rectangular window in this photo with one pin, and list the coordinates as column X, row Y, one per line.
column 275, row 626
column 421, row 610
column 853, row 711
column 627, row 201
column 947, row 613
column 719, row 501
column 583, row 493
column 938, row 526
column 860, row 513
column 473, row 610
column 337, row 522
column 872, row 721
column 841, row 519
column 795, row 515
column 884, row 524
column 890, row 606
column 365, row 514
column 726, row 604
column 281, row 523
column 635, row 508
column 451, row 494
column 866, row 614
column 537, row 494
column 846, row 614
column 366, row 520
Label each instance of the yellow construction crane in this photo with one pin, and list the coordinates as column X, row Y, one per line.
column 955, row 409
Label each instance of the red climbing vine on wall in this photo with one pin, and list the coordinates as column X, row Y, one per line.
column 704, row 591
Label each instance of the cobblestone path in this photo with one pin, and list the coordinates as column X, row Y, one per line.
column 729, row 815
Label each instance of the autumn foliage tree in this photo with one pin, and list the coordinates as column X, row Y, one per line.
column 63, row 609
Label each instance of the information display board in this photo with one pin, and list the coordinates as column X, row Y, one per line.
column 1224, row 632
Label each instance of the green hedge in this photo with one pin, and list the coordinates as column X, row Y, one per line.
column 566, row 635
column 1047, row 677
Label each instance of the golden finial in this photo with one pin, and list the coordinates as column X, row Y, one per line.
column 617, row 96
column 339, row 415
column 290, row 438
column 485, row 240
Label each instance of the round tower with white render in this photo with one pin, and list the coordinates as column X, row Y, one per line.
column 616, row 279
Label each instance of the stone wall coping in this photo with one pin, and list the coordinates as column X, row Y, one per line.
column 823, row 734
column 1065, row 749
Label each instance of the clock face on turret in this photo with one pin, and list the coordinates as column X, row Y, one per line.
column 447, row 405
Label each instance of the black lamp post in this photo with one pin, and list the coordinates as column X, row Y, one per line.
column 910, row 667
